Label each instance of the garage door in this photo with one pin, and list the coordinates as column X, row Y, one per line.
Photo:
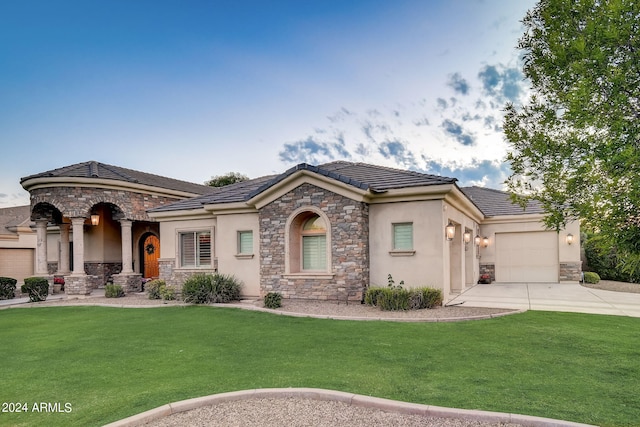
column 527, row 257
column 16, row 263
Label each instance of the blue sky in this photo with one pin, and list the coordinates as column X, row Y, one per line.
column 192, row 89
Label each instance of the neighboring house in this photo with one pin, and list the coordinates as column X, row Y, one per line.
column 316, row 232
column 17, row 243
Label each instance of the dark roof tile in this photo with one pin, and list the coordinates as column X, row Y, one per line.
column 96, row 170
column 495, row 202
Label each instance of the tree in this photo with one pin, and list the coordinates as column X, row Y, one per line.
column 575, row 145
column 226, row 179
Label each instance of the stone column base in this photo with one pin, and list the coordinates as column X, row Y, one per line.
column 131, row 282
column 77, row 284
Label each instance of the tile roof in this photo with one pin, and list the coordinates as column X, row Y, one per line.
column 231, row 193
column 495, row 202
column 93, row 169
column 377, row 179
column 13, row 217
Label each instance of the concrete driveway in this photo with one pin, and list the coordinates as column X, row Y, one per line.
column 550, row 297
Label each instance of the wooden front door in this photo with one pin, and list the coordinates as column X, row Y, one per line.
column 151, row 251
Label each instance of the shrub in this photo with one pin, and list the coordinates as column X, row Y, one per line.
column 210, row 288
column 429, row 297
column 393, row 299
column 113, row 291
column 7, row 288
column 167, row 293
column 36, row 287
column 397, row 298
column 591, row 277
column 273, row 300
column 371, row 296
column 154, row 288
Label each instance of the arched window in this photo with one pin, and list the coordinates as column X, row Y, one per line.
column 314, row 244
column 308, row 242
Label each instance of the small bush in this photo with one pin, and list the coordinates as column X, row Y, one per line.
column 273, row 300
column 113, row 291
column 210, row 288
column 591, row 277
column 371, row 296
column 154, row 288
column 393, row 299
column 7, row 288
column 396, row 298
column 36, row 287
column 167, row 293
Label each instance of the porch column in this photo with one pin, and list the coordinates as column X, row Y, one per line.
column 127, row 258
column 78, row 246
column 41, row 247
column 63, row 262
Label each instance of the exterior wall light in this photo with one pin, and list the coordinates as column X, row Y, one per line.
column 467, row 237
column 95, row 219
column 450, row 231
column 476, row 240
column 569, row 239
column 485, row 241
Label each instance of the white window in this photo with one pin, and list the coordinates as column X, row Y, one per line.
column 314, row 244
column 245, row 242
column 403, row 236
column 195, row 249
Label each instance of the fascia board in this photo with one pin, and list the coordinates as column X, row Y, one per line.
column 302, row 177
column 507, row 219
column 108, row 184
column 230, row 208
column 458, row 200
column 182, row 215
column 412, row 194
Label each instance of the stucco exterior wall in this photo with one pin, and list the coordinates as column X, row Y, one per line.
column 245, row 267
column 169, row 262
column 426, row 266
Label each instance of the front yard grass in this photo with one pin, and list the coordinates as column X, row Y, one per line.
column 110, row 363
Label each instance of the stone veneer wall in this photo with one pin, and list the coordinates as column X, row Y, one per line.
column 570, row 271
column 349, row 253
column 76, row 202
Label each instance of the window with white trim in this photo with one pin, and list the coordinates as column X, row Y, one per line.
column 195, row 249
column 403, row 236
column 245, row 242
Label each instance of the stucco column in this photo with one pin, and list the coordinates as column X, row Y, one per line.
column 78, row 246
column 41, row 247
column 63, row 262
column 127, row 259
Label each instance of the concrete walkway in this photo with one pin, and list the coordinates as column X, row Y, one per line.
column 550, row 297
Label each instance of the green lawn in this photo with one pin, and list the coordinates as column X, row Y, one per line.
column 110, row 363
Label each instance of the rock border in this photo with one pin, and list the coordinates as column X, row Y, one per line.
column 387, row 405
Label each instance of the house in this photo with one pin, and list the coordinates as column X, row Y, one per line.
column 17, row 243
column 316, row 232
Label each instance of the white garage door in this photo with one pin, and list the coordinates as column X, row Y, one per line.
column 16, row 263
column 527, row 257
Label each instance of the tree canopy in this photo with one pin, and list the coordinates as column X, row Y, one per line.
column 226, row 179
column 575, row 144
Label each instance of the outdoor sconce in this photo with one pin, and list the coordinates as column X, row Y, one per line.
column 569, row 239
column 450, row 231
column 485, row 241
column 95, row 219
column 476, row 240
column 467, row 237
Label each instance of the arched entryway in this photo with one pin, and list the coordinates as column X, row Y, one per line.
column 149, row 254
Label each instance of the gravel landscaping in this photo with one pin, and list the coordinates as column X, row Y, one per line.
column 295, row 412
